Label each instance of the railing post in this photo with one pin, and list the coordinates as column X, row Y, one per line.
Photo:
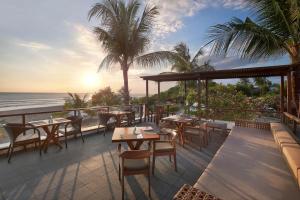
column 141, row 113
column 23, row 122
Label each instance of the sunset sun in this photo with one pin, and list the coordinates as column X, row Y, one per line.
column 91, row 80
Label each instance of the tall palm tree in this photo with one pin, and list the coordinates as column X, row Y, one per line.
column 273, row 31
column 183, row 62
column 124, row 33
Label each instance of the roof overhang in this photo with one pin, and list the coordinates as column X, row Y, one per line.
column 267, row 71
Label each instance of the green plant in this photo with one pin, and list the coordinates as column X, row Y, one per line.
column 106, row 97
column 76, row 101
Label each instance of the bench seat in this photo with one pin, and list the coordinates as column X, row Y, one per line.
column 249, row 166
column 291, row 153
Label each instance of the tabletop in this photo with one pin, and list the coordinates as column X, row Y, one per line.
column 180, row 118
column 123, row 134
column 49, row 122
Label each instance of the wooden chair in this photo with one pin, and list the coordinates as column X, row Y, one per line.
column 197, row 131
column 72, row 128
column 104, row 121
column 132, row 163
column 18, row 137
column 166, row 129
column 165, row 148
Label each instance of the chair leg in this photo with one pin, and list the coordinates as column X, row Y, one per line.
column 153, row 164
column 175, row 162
column 66, row 141
column 10, row 153
column 149, row 185
column 8, row 150
column 40, row 147
column 122, row 186
column 81, row 136
column 170, row 158
column 119, row 172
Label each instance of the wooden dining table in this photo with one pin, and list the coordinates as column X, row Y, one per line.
column 50, row 126
column 134, row 139
column 180, row 121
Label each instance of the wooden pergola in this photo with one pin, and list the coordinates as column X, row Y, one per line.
column 290, row 72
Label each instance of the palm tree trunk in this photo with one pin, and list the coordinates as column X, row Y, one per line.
column 126, row 90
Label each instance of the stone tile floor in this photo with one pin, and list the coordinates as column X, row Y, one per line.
column 89, row 170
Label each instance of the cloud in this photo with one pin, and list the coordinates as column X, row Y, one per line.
column 173, row 12
column 33, row 45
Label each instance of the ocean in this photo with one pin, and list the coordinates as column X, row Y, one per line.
column 14, row 101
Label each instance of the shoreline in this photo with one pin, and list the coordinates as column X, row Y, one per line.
column 46, row 108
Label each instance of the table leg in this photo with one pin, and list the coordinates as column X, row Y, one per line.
column 136, row 146
column 180, row 133
column 51, row 137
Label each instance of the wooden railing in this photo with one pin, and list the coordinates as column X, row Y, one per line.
column 291, row 121
column 76, row 111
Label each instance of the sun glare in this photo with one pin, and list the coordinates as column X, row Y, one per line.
column 91, row 80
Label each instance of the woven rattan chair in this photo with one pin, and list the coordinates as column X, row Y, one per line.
column 165, row 148
column 104, row 121
column 198, row 131
column 18, row 137
column 133, row 163
column 72, row 129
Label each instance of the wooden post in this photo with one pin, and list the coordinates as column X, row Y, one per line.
column 185, row 91
column 282, row 94
column 289, row 93
column 23, row 122
column 141, row 112
column 206, row 98
column 158, row 91
column 199, row 96
column 146, row 103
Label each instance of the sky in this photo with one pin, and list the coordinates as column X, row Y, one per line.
column 49, row 46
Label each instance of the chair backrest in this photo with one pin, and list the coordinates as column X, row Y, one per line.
column 13, row 130
column 103, row 118
column 173, row 136
column 135, row 154
column 76, row 122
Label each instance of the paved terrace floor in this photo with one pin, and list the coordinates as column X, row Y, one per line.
column 90, row 171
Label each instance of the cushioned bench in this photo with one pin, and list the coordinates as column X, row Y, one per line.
column 289, row 147
column 249, row 166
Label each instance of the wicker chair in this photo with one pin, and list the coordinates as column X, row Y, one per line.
column 165, row 148
column 73, row 128
column 132, row 163
column 198, row 131
column 18, row 137
column 104, row 121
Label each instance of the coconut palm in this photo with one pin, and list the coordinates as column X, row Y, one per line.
column 184, row 63
column 124, row 33
column 273, row 31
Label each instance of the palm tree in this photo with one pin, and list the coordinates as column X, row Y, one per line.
column 273, row 32
column 184, row 63
column 124, row 33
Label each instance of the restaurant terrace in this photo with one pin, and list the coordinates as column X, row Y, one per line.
column 138, row 152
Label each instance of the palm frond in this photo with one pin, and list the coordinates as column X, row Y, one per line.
column 107, row 61
column 106, row 12
column 199, row 53
column 155, row 59
column 246, row 39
